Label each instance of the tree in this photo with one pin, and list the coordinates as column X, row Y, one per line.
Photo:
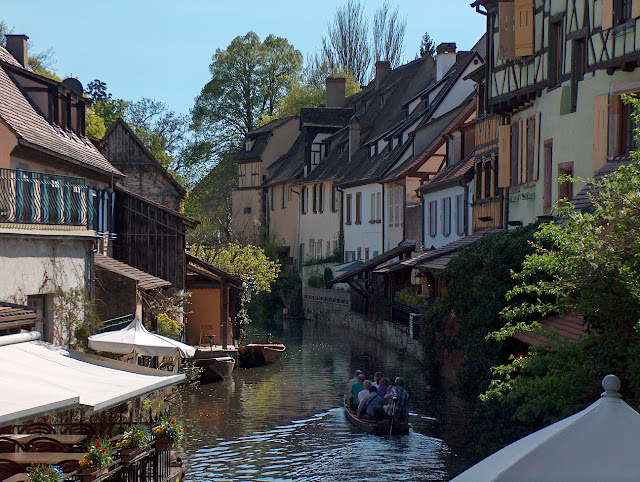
column 4, row 30
column 427, row 46
column 248, row 80
column 388, row 34
column 104, row 111
column 160, row 129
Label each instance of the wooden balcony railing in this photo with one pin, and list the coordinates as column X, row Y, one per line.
column 29, row 197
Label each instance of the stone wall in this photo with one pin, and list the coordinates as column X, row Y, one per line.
column 333, row 308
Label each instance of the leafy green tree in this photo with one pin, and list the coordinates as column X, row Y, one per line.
column 104, row 111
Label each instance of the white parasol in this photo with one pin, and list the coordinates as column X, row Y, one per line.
column 135, row 338
column 599, row 443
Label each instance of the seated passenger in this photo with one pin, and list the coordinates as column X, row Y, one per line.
column 383, row 387
column 397, row 401
column 353, row 380
column 366, row 385
column 376, row 379
column 355, row 389
column 373, row 408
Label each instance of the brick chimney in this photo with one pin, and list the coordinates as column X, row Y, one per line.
column 17, row 46
column 445, row 58
column 335, row 91
column 354, row 136
column 383, row 68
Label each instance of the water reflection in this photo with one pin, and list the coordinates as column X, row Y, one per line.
column 283, row 422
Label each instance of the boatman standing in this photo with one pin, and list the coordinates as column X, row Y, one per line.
column 397, row 401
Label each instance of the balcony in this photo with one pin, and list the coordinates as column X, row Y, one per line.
column 32, row 199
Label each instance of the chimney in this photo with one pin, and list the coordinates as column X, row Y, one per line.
column 17, row 46
column 383, row 67
column 445, row 58
column 335, row 91
column 354, row 136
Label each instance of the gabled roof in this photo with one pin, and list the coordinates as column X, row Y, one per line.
column 152, row 160
column 144, row 281
column 35, row 132
column 460, row 172
column 260, row 138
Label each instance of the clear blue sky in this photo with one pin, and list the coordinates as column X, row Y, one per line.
column 162, row 49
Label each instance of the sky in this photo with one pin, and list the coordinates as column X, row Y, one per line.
column 162, row 49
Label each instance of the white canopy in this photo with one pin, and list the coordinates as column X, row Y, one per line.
column 37, row 378
column 136, row 338
column 601, row 442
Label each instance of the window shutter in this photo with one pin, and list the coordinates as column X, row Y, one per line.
column 607, row 14
column 524, row 12
column 506, row 40
column 504, row 156
column 635, row 8
column 600, row 130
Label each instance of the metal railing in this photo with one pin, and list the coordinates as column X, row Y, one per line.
column 39, row 198
column 116, row 323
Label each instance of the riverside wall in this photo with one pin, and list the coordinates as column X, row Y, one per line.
column 333, row 307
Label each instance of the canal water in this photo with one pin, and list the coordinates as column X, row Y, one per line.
column 284, row 422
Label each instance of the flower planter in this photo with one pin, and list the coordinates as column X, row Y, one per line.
column 162, row 444
column 92, row 473
column 127, row 455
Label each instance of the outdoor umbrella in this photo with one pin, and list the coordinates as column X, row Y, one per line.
column 135, row 338
column 599, row 443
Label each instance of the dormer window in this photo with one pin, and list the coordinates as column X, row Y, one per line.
column 248, row 145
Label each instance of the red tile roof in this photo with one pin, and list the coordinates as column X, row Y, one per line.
column 569, row 327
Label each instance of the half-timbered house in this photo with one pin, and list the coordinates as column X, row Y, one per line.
column 556, row 70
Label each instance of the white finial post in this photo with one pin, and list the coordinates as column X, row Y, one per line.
column 611, row 385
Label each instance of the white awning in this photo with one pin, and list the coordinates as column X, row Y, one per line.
column 38, row 378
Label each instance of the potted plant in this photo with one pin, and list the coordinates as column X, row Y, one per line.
column 168, row 432
column 44, row 473
column 134, row 439
column 99, row 455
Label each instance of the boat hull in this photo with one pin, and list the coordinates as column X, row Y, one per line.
column 384, row 427
column 215, row 368
column 259, row 353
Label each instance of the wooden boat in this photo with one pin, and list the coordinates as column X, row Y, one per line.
column 259, row 353
column 383, row 427
column 215, row 368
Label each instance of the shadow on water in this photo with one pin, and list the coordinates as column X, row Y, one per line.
column 284, row 422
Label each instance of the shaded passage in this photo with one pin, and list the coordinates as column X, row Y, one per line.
column 284, row 421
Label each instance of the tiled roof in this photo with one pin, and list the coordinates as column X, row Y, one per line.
column 288, row 166
column 333, row 166
column 449, row 176
column 212, row 271
column 144, row 280
column 186, row 220
column 374, row 262
column 11, row 313
column 582, row 200
column 269, row 126
column 35, row 131
column 5, row 56
column 260, row 137
column 568, row 327
column 326, row 116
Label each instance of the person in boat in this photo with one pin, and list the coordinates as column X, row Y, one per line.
column 356, row 388
column 376, row 379
column 397, row 401
column 371, row 406
column 353, row 380
column 383, row 387
column 364, row 393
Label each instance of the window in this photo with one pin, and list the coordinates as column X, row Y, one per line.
column 347, row 210
column 379, row 207
column 565, row 189
column 242, row 175
column 578, row 66
column 548, row 156
column 273, row 198
column 487, row 179
column 303, row 200
column 334, row 198
column 316, row 153
column 358, row 208
column 391, row 192
column 460, row 215
column 433, row 218
column 247, row 210
column 321, row 197
column 398, row 200
column 372, row 218
column 312, row 248
column 249, row 144
column 446, row 216
column 479, row 172
column 627, row 140
column 359, row 253
column 621, row 11
column 366, row 254
column 319, row 248
column 555, row 54
column 284, row 196
column 314, row 197
column 255, row 174
column 328, row 248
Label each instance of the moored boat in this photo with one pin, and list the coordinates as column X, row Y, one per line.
column 259, row 353
column 383, row 427
column 215, row 368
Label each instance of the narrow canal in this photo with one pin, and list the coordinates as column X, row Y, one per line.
column 284, row 422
